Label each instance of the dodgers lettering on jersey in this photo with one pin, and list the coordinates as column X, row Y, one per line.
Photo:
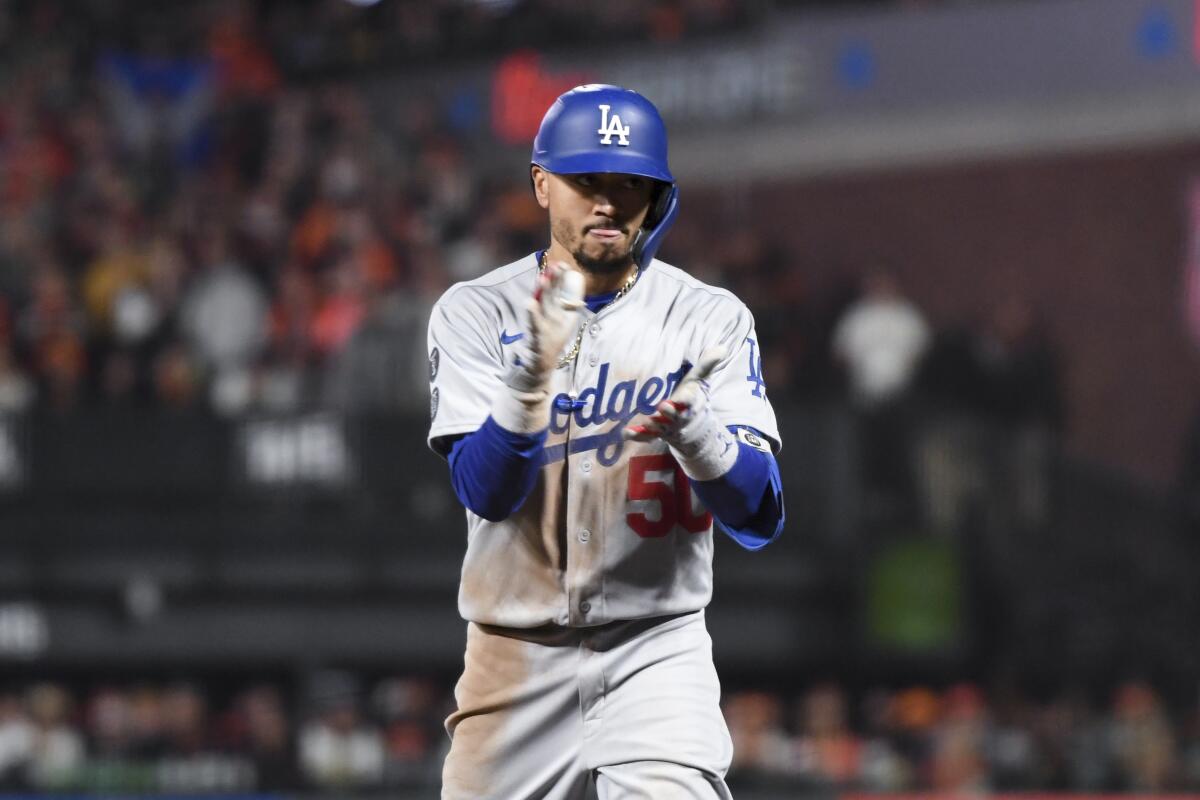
column 611, row 530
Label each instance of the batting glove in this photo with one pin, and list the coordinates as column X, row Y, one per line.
column 704, row 448
column 553, row 320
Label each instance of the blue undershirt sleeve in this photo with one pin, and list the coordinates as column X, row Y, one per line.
column 493, row 470
column 747, row 500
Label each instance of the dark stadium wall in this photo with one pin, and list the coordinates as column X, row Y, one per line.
column 1096, row 242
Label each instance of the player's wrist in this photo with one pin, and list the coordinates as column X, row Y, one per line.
column 524, row 407
column 705, row 450
column 527, row 377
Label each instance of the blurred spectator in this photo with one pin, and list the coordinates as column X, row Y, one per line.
column 1020, row 368
column 913, row 715
column 109, row 723
column 384, row 365
column 776, row 288
column 1020, row 371
column 176, row 377
column 762, row 751
column 338, row 749
column 185, row 720
column 880, row 340
column 1012, row 748
column 286, row 372
column 245, row 68
column 412, row 713
column 147, row 734
column 760, row 741
column 482, row 249
column 342, row 307
column 1079, row 744
column 829, row 753
column 57, row 748
column 16, row 389
column 114, row 293
column 223, row 316
column 959, row 765
column 881, row 768
column 51, row 327
column 267, row 739
column 1142, row 740
column 16, row 741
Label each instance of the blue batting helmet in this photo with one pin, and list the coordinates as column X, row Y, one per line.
column 602, row 128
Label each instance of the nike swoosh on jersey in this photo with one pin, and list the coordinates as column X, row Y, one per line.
column 505, row 338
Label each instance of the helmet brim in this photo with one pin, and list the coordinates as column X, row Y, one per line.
column 615, row 162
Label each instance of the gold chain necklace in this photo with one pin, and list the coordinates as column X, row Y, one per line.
column 574, row 351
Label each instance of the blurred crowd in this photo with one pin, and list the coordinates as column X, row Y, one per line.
column 176, row 737
column 961, row 740
column 188, row 227
column 189, row 218
column 337, row 731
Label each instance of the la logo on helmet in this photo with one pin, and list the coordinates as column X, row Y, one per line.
column 612, row 127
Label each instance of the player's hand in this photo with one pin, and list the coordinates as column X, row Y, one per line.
column 686, row 408
column 553, row 322
column 704, row 448
column 553, row 316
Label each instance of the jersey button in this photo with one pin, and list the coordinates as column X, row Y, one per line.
column 594, row 330
column 586, row 466
column 593, row 359
column 585, row 606
column 585, row 535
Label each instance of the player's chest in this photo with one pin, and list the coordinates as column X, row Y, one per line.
column 618, row 372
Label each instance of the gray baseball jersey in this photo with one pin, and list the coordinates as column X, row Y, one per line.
column 611, row 530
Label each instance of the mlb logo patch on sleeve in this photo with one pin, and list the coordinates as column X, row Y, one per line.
column 753, row 439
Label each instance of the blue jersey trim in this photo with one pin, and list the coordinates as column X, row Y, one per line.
column 595, row 302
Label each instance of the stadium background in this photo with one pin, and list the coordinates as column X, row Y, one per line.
column 969, row 233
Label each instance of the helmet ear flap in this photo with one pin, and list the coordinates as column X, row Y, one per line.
column 650, row 236
column 658, row 206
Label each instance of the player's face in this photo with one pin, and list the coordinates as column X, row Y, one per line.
column 595, row 216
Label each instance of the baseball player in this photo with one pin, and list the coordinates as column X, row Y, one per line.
column 598, row 408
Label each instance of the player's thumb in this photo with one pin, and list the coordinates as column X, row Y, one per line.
column 570, row 289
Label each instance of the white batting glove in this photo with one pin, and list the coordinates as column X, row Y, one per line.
column 553, row 321
column 704, row 448
column 553, row 316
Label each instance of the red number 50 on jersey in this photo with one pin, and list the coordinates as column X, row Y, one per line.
column 672, row 492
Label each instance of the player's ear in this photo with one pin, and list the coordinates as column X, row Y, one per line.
column 541, row 185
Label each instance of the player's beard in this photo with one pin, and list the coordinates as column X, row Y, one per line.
column 610, row 260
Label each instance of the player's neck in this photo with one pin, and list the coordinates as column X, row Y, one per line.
column 605, row 283
column 595, row 283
